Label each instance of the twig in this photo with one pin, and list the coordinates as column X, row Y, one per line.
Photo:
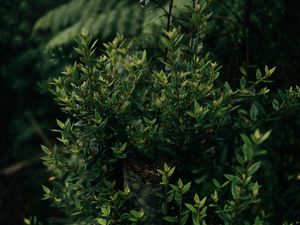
column 170, row 14
column 12, row 169
column 160, row 6
column 169, row 22
column 40, row 132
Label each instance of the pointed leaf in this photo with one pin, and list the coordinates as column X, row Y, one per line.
column 191, row 207
column 252, row 169
column 254, row 112
column 186, row 187
column 171, row 219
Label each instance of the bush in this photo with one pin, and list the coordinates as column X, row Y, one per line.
column 129, row 114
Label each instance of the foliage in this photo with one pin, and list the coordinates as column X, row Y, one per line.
column 233, row 208
column 271, row 35
column 100, row 17
column 122, row 106
column 253, row 32
column 243, row 36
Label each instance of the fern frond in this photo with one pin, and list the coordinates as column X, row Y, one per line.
column 61, row 17
column 100, row 17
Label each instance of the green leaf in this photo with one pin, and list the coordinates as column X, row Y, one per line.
column 186, row 187
column 239, row 158
column 232, row 178
column 165, row 180
column 195, row 219
column 133, row 219
column 265, row 136
column 191, row 207
column 60, row 124
column 258, row 221
column 45, row 149
column 160, row 171
column 166, row 168
column 215, row 197
column 216, row 183
column 275, row 104
column 234, row 190
column 174, row 187
column 180, row 183
column 196, row 199
column 225, row 184
column 254, row 112
column 243, row 70
column 226, row 86
column 259, row 138
column 258, row 74
column 178, row 39
column 253, row 168
column 197, row 107
column 123, row 147
column 171, row 171
column 178, row 197
column 105, row 210
column 184, row 219
column 102, row 221
column 137, row 214
column 171, row 219
column 266, row 69
column 246, row 140
column 255, row 189
column 243, row 83
column 202, row 202
column 248, row 152
column 166, row 42
column 170, row 197
column 164, row 208
column 26, row 221
column 46, row 190
column 269, row 72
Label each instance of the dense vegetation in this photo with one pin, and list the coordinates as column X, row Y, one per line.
column 156, row 95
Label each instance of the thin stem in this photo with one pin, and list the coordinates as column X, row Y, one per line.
column 170, row 14
column 171, row 3
column 180, row 211
column 12, row 169
column 40, row 132
column 160, row 6
column 178, row 112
